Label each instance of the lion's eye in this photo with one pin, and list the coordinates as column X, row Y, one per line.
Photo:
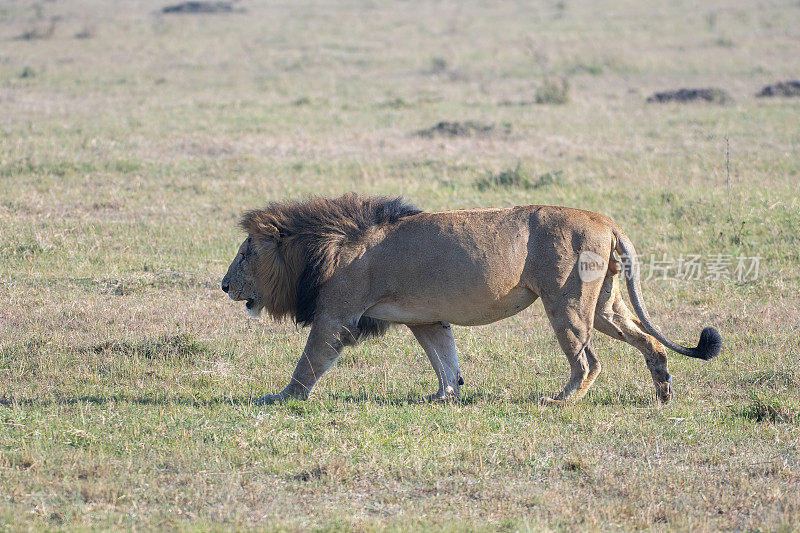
column 248, row 251
column 248, row 248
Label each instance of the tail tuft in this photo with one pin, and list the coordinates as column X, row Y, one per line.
column 709, row 345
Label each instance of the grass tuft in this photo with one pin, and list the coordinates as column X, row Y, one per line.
column 41, row 31
column 518, row 178
column 768, row 409
column 553, row 92
column 310, row 475
column 165, row 347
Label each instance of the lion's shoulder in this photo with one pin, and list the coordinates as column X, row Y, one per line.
column 332, row 224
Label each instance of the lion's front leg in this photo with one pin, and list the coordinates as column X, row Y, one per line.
column 323, row 348
column 440, row 347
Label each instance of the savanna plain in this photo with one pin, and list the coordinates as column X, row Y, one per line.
column 131, row 141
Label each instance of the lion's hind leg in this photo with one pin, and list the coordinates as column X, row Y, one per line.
column 440, row 347
column 584, row 368
column 573, row 326
column 613, row 318
column 594, row 368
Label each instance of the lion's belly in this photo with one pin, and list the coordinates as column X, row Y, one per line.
column 463, row 310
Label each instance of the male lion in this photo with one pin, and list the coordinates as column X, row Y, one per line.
column 349, row 267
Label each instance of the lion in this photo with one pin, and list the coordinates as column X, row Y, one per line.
column 350, row 267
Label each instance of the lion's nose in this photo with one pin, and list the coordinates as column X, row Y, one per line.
column 225, row 287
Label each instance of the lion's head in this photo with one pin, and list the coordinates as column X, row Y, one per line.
column 260, row 274
column 239, row 281
column 292, row 248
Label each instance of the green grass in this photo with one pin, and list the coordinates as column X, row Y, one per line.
column 127, row 154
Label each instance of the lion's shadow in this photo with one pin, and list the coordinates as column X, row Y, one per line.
column 243, row 401
column 472, row 398
column 121, row 399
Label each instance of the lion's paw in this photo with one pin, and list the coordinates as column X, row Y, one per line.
column 270, row 399
column 434, row 398
column 450, row 394
column 547, row 400
column 664, row 391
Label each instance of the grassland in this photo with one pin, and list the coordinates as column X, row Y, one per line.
column 132, row 141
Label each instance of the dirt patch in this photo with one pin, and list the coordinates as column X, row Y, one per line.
column 710, row 94
column 202, row 7
column 462, row 129
column 782, row 88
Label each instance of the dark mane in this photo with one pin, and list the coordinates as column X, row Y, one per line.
column 312, row 233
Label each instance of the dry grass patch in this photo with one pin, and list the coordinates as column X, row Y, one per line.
column 128, row 155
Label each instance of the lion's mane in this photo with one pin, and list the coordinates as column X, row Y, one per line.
column 308, row 238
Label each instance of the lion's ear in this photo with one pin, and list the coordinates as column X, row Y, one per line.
column 269, row 231
column 260, row 224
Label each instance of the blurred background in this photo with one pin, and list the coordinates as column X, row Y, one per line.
column 134, row 134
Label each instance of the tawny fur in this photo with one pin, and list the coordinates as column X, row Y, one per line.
column 351, row 266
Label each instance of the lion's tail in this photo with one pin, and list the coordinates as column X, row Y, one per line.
column 710, row 339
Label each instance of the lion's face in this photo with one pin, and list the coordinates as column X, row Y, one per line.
column 240, row 280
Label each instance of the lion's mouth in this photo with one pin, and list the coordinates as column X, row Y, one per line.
column 253, row 308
